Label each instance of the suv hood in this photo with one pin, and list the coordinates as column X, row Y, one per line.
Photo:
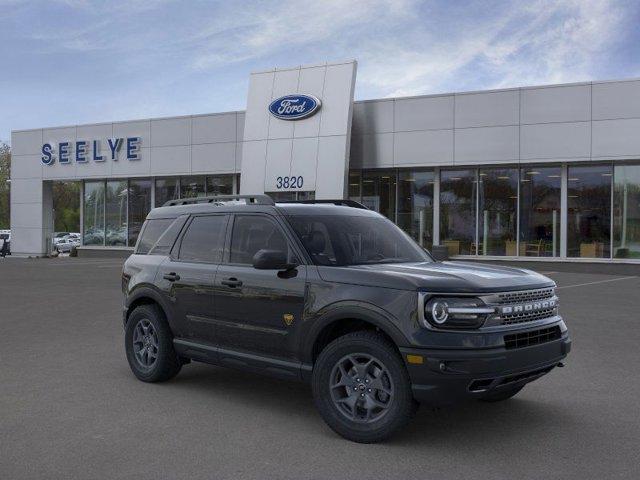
column 445, row 277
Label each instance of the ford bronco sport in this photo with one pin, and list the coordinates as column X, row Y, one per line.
column 334, row 294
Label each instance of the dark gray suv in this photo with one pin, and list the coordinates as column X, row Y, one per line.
column 331, row 293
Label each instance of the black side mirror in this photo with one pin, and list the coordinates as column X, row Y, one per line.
column 272, row 260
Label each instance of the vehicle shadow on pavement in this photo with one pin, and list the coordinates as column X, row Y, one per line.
column 472, row 421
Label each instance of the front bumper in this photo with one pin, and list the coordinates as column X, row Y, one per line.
column 448, row 376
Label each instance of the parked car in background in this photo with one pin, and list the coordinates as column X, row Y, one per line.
column 5, row 242
column 57, row 236
column 65, row 245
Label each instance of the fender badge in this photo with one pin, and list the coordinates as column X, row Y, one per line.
column 288, row 318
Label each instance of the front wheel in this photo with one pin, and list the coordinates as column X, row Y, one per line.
column 361, row 387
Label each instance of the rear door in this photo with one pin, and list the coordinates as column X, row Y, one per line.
column 257, row 309
column 188, row 276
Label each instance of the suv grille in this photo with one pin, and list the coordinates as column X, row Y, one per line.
column 536, row 299
column 525, row 296
column 535, row 337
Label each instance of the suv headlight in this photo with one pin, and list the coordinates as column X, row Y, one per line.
column 455, row 312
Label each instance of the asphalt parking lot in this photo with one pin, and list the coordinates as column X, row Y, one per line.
column 70, row 408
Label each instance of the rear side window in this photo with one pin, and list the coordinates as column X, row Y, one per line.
column 168, row 238
column 151, row 233
column 204, row 239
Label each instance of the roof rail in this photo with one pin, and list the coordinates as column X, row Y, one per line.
column 340, row 202
column 251, row 199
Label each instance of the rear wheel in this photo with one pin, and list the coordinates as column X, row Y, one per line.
column 502, row 395
column 149, row 345
column 361, row 387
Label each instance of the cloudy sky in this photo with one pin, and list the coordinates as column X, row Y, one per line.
column 81, row 61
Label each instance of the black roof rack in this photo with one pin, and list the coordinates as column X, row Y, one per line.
column 339, row 202
column 251, row 199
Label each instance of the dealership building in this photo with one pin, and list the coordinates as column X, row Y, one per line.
column 536, row 173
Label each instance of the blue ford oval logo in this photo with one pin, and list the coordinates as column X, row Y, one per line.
column 294, row 107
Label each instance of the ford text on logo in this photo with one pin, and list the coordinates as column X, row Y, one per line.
column 294, row 107
column 82, row 151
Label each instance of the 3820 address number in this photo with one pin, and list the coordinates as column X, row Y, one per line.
column 289, row 182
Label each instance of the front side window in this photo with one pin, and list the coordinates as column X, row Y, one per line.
column 252, row 233
column 204, row 239
column 343, row 240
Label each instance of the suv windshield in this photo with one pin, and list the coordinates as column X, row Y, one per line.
column 355, row 240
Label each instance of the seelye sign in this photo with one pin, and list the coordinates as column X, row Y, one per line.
column 294, row 107
column 82, row 151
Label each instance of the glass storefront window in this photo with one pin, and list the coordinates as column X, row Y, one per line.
column 354, row 185
column 192, row 186
column 167, row 189
column 540, row 193
column 220, row 185
column 379, row 192
column 291, row 196
column 589, row 211
column 93, row 214
column 626, row 208
column 415, row 205
column 116, row 213
column 139, row 206
column 498, row 207
column 458, row 211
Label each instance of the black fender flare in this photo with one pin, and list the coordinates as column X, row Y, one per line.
column 147, row 292
column 352, row 310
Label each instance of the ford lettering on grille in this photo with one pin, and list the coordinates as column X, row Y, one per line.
column 294, row 107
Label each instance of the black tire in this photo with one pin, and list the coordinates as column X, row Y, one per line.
column 166, row 363
column 502, row 395
column 400, row 404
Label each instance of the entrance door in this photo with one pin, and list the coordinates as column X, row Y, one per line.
column 256, row 309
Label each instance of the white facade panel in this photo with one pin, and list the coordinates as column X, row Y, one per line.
column 372, row 151
column 26, row 166
column 256, row 122
column 331, row 177
column 487, row 109
column 239, row 126
column 278, row 162
column 26, row 190
column 556, row 104
column 213, row 158
column 137, row 128
column 555, row 141
column 304, row 161
column 58, row 169
column 613, row 100
column 486, row 145
column 284, row 83
column 170, row 160
column 616, row 138
column 213, row 128
column 426, row 113
column 338, row 99
column 124, row 167
column 28, row 215
column 98, row 133
column 310, row 82
column 170, row 132
column 372, row 117
column 28, row 142
column 26, row 241
column 431, row 147
column 252, row 179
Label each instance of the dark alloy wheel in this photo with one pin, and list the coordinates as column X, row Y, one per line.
column 361, row 387
column 149, row 345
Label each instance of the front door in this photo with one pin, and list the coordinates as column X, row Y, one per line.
column 257, row 309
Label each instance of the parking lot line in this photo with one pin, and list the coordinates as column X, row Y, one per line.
column 596, row 282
